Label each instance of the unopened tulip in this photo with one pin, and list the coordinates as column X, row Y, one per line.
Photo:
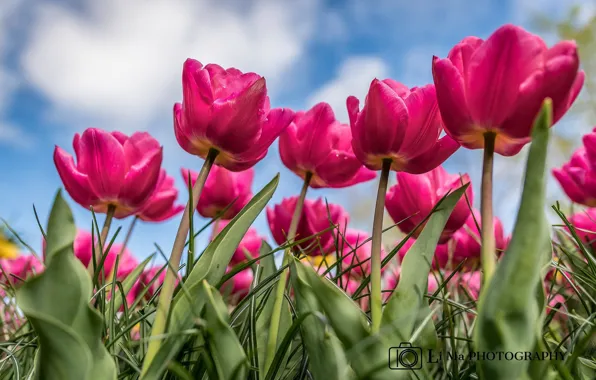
column 8, row 248
column 239, row 285
column 471, row 282
column 150, row 282
column 578, row 176
column 228, row 111
column 316, row 143
column 112, row 169
column 20, row 269
column 223, row 189
column 161, row 205
column 499, row 85
column 249, row 246
column 440, row 259
column 317, row 216
column 400, row 124
column 412, row 199
column 392, row 278
column 356, row 253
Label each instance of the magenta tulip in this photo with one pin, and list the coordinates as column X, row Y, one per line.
column 471, row 282
column 392, row 278
column 499, row 85
column 400, row 124
column 223, row 188
column 112, row 169
column 239, row 285
column 585, row 226
column 20, row 269
column 316, row 143
column 249, row 246
column 317, row 216
column 356, row 253
column 228, row 111
column 578, row 176
column 440, row 258
column 413, row 198
column 161, row 205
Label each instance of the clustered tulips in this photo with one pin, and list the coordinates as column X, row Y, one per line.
column 486, row 95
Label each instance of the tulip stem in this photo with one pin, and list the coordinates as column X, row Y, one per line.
column 167, row 290
column 376, row 301
column 487, row 234
column 103, row 236
column 281, row 284
column 128, row 235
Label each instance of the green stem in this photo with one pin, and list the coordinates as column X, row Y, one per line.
column 487, row 234
column 102, row 240
column 376, row 300
column 167, row 290
column 281, row 284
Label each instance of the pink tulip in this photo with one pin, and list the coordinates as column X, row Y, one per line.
column 392, row 278
column 249, row 245
column 471, row 282
column 83, row 249
column 315, row 218
column 585, row 226
column 356, row 253
column 400, row 124
column 228, row 111
column 239, row 285
column 499, row 85
column 111, row 169
column 578, row 177
column 160, row 205
column 413, row 198
column 316, row 143
column 20, row 269
column 223, row 188
column 151, row 279
column 467, row 239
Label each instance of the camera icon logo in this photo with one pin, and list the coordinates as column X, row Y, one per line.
column 405, row 356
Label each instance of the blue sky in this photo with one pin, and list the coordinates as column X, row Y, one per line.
column 66, row 65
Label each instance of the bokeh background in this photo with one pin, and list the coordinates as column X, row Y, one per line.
column 66, row 65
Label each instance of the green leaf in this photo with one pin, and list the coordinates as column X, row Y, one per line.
column 406, row 306
column 264, row 318
column 508, row 309
column 366, row 354
column 57, row 304
column 210, row 266
column 127, row 285
column 327, row 359
column 223, row 345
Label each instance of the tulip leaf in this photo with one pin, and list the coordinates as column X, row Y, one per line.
column 224, row 347
column 127, row 285
column 56, row 302
column 508, row 309
column 264, row 318
column 210, row 266
column 367, row 354
column 327, row 359
column 406, row 306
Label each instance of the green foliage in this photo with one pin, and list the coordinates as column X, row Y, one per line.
column 56, row 303
column 509, row 309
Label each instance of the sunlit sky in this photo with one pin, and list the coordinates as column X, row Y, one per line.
column 66, row 65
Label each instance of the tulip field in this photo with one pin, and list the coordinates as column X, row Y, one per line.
column 455, row 298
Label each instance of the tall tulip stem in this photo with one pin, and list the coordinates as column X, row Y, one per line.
column 487, row 235
column 281, row 285
column 167, row 290
column 376, row 308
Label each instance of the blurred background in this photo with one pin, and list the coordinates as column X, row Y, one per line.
column 66, row 65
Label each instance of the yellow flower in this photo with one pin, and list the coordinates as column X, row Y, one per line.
column 323, row 262
column 8, row 249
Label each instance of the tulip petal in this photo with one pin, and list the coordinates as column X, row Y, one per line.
column 102, row 158
column 425, row 123
column 571, row 188
column 461, row 54
column 141, row 179
column 451, row 99
column 497, row 69
column 138, row 146
column 432, row 158
column 75, row 182
column 341, row 169
column 277, row 121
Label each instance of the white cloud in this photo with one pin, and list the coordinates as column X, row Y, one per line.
column 122, row 60
column 353, row 78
